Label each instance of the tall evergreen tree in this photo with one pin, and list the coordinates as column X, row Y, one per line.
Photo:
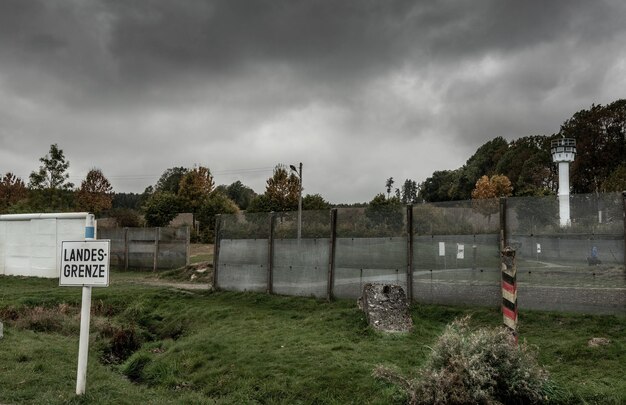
column 12, row 191
column 50, row 185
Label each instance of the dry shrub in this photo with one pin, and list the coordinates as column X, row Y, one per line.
column 475, row 367
column 10, row 313
column 100, row 308
column 41, row 319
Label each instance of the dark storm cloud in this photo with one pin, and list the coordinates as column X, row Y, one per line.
column 146, row 43
column 337, row 39
column 240, row 84
column 226, row 37
column 119, row 46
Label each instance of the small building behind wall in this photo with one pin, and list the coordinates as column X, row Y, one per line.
column 30, row 244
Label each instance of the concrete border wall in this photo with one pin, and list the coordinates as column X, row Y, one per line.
column 446, row 253
column 148, row 248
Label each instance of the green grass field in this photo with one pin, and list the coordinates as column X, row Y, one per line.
column 163, row 345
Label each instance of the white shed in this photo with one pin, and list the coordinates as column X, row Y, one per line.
column 30, row 244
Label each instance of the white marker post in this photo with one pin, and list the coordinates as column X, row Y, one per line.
column 85, row 263
column 85, row 318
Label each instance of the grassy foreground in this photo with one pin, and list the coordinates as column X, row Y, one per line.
column 163, row 345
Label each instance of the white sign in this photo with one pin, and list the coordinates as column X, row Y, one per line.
column 460, row 251
column 538, row 248
column 442, row 248
column 85, row 263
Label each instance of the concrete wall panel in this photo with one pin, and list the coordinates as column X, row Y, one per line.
column 369, row 260
column 301, row 267
column 243, row 264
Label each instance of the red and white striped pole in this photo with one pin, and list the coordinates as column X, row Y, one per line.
column 509, row 289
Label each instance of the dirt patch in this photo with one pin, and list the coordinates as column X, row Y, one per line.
column 197, row 249
column 201, row 273
column 182, row 286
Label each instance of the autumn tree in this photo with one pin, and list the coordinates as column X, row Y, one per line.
column 95, row 193
column 195, row 186
column 12, row 191
column 283, row 190
column 487, row 191
column 492, row 187
column 51, row 187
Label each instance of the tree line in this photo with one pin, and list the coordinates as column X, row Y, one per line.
column 49, row 189
column 522, row 167
column 178, row 190
column 600, row 165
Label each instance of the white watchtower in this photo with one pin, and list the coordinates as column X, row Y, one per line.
column 563, row 152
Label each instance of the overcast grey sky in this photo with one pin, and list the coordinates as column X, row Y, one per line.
column 358, row 91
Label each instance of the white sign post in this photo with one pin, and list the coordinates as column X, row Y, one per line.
column 85, row 263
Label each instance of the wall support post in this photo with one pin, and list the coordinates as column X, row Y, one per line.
column 187, row 245
column 624, row 214
column 332, row 253
column 126, row 249
column 503, row 235
column 157, row 236
column 270, row 259
column 409, row 239
column 216, row 248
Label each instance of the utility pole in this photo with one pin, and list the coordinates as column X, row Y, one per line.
column 299, row 173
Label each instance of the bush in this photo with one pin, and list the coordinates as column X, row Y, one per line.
column 126, row 217
column 481, row 367
column 57, row 319
column 123, row 343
